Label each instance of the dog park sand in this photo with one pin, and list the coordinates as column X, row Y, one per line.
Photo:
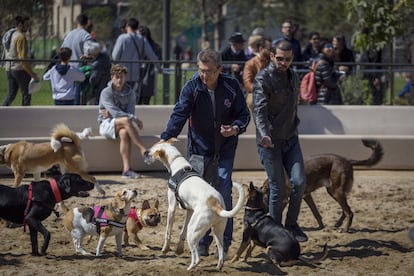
column 382, row 201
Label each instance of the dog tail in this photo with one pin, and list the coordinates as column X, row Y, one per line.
column 316, row 259
column 214, row 203
column 62, row 134
column 376, row 156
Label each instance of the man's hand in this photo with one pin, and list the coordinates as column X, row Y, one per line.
column 267, row 142
column 227, row 130
column 105, row 113
column 139, row 123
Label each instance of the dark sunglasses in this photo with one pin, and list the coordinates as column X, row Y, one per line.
column 329, row 46
column 280, row 59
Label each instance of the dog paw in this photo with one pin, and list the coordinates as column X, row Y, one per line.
column 179, row 251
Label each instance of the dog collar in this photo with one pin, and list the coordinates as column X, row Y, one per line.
column 55, row 190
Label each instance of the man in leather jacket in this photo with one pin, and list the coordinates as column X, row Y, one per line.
column 275, row 100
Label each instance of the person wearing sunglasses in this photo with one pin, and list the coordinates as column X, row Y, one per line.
column 275, row 101
column 214, row 106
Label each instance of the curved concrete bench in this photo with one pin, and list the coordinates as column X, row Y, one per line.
column 323, row 129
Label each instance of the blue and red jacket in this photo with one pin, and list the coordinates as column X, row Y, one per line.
column 195, row 105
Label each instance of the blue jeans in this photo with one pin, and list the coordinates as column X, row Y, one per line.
column 225, row 189
column 285, row 156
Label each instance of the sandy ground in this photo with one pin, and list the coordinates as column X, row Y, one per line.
column 383, row 203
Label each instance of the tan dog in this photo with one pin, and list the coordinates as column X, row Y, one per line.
column 64, row 149
column 139, row 218
column 205, row 205
column 336, row 173
column 105, row 221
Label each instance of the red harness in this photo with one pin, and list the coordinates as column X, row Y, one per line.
column 56, row 193
column 133, row 214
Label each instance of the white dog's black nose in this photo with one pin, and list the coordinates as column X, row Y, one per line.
column 147, row 158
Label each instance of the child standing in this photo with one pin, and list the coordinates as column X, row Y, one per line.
column 62, row 78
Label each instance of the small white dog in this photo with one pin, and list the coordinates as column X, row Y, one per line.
column 205, row 205
column 105, row 221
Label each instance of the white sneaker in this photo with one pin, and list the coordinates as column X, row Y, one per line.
column 130, row 174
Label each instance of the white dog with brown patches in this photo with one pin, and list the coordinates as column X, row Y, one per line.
column 107, row 220
column 205, row 205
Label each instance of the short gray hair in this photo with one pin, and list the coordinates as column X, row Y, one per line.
column 208, row 55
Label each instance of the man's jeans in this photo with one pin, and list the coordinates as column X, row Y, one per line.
column 285, row 156
column 225, row 189
column 18, row 79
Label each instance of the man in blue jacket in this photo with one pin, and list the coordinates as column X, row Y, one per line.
column 206, row 95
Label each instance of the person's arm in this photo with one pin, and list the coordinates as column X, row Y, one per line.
column 249, row 72
column 261, row 92
column 77, row 74
column 241, row 112
column 21, row 46
column 149, row 53
column 117, row 50
column 48, row 73
column 181, row 112
column 106, row 101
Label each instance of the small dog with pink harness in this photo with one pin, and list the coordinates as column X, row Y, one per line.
column 105, row 221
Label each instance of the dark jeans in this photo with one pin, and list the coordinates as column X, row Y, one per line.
column 64, row 102
column 18, row 79
column 285, row 156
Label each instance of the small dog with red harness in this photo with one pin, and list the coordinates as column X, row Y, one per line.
column 138, row 218
column 105, row 221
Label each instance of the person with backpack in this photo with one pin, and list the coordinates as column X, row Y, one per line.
column 19, row 72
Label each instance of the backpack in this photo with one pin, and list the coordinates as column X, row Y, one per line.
column 6, row 39
column 308, row 90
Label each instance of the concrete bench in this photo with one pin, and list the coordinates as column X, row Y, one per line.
column 323, row 129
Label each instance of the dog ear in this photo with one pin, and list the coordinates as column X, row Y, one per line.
column 156, row 204
column 160, row 154
column 145, row 205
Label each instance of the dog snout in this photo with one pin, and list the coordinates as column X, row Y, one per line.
column 148, row 158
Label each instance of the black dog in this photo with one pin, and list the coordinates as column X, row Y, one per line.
column 260, row 229
column 31, row 204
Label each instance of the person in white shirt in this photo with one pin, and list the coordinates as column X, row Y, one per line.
column 63, row 78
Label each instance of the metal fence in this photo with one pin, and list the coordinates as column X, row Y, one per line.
column 358, row 88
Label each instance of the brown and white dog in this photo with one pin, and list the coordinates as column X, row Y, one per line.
column 205, row 205
column 105, row 221
column 64, row 149
column 336, row 174
column 138, row 218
